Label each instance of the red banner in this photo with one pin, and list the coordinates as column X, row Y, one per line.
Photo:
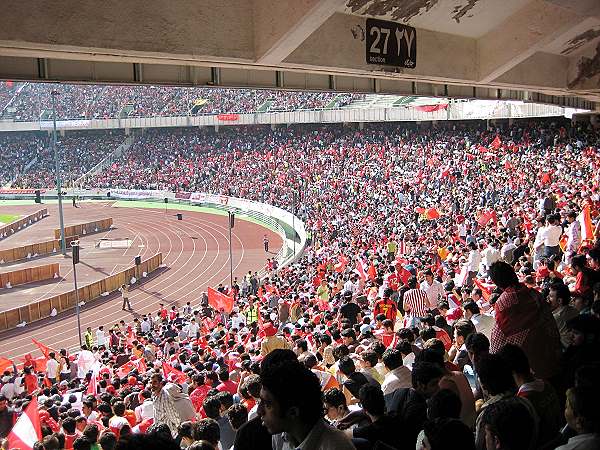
column 183, row 195
column 219, row 301
column 21, row 191
column 228, row 117
column 432, row 108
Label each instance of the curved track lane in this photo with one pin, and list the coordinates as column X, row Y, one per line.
column 196, row 255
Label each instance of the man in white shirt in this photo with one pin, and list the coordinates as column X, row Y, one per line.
column 550, row 237
column 8, row 388
column 573, row 236
column 490, row 254
column 52, row 368
column 398, row 376
column 192, row 329
column 507, row 251
column 146, row 325
column 238, row 321
column 433, row 288
column 472, row 264
column 101, row 336
column 483, row 323
column 145, row 410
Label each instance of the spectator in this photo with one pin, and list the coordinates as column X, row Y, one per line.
column 295, row 412
column 522, row 318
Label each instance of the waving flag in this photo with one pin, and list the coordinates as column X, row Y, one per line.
column 372, row 272
column 5, row 364
column 432, row 214
column 585, row 220
column 486, row 292
column 172, row 374
column 496, row 143
column 27, row 429
column 220, row 301
column 360, row 270
column 43, row 348
column 341, row 264
column 92, row 388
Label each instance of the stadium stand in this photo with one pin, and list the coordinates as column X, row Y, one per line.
column 32, row 101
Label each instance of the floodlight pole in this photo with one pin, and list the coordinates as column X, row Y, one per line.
column 63, row 244
column 75, row 257
column 229, row 214
column 294, row 219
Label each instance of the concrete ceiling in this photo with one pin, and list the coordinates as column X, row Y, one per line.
column 539, row 50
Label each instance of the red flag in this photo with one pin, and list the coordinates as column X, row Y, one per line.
column 43, row 348
column 585, row 221
column 404, row 274
column 172, row 374
column 432, row 214
column 92, row 387
column 562, row 243
column 141, row 365
column 546, row 178
column 360, row 270
column 220, row 301
column 341, row 265
column 125, row 369
column 372, row 272
column 27, row 429
column 486, row 292
column 5, row 364
column 496, row 143
column 432, row 108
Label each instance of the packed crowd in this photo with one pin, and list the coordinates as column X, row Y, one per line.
column 449, row 297
column 17, row 150
column 79, row 152
column 33, row 101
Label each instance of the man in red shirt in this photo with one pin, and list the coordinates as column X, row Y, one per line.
column 163, row 311
column 30, row 380
column 393, row 280
column 200, row 391
column 386, row 306
column 226, row 384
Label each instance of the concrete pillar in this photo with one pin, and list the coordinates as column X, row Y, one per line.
column 361, row 126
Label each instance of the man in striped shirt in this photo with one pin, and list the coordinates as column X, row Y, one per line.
column 415, row 303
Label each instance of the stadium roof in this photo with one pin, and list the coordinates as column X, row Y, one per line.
column 532, row 50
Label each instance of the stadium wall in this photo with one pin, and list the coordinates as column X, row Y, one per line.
column 454, row 111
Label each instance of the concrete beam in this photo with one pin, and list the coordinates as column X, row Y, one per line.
column 528, row 75
column 519, row 37
column 337, row 44
column 280, row 26
column 585, row 8
column 187, row 28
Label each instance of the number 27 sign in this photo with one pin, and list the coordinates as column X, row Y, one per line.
column 391, row 44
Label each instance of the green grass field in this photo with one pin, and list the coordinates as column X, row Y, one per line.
column 8, row 218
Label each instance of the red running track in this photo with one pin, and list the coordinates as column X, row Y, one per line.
column 195, row 252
